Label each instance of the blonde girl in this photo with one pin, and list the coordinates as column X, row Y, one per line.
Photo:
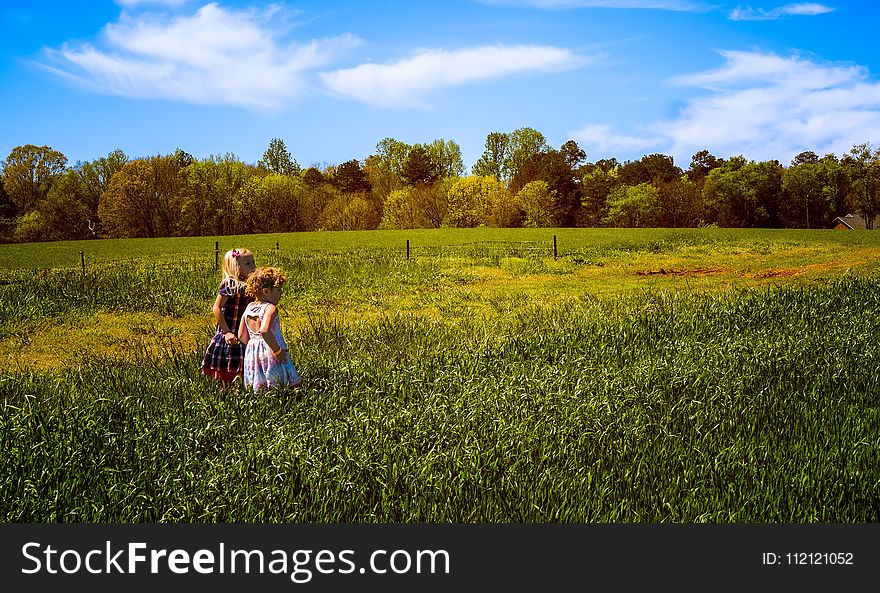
column 224, row 355
column 266, row 363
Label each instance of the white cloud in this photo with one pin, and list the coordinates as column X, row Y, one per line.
column 759, row 14
column 221, row 56
column 680, row 5
column 806, row 9
column 759, row 105
column 406, row 82
column 215, row 56
column 766, row 106
column 603, row 142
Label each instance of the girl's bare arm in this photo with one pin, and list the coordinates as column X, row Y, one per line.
column 268, row 316
column 242, row 330
column 217, row 309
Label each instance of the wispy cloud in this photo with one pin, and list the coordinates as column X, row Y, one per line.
column 768, row 106
column 214, row 56
column 679, row 5
column 759, row 14
column 408, row 81
column 762, row 106
column 228, row 57
column 604, row 142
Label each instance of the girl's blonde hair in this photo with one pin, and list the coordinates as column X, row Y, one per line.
column 230, row 263
column 265, row 278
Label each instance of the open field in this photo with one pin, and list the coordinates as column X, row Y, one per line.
column 144, row 291
column 570, row 242
column 704, row 375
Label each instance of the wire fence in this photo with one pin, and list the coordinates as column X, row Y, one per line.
column 484, row 250
column 212, row 259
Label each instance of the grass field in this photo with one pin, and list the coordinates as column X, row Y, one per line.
column 701, row 375
column 569, row 242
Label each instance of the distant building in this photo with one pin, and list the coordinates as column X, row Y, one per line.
column 849, row 222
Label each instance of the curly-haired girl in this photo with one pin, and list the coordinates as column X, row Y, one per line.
column 266, row 363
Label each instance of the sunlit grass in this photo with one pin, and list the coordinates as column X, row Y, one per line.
column 750, row 406
column 46, row 317
column 655, row 377
column 590, row 242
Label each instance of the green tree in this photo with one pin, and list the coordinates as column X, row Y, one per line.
column 479, row 201
column 277, row 159
column 701, row 164
column 446, row 156
column 809, row 194
column 313, row 177
column 573, row 154
column 492, row 162
column 282, row 203
column 419, row 169
column 183, row 158
column 418, row 207
column 30, row 228
column 537, row 202
column 504, row 210
column 806, row 157
column 552, row 167
column 633, row 206
column 679, row 203
column 401, row 210
column 384, row 168
column 862, row 167
column 145, row 199
column 434, row 202
column 214, row 203
column 350, row 178
column 66, row 212
column 283, row 199
column 253, row 218
column 94, row 179
column 28, row 173
column 127, row 208
column 596, row 185
column 836, row 186
column 653, row 168
column 7, row 214
column 525, row 143
column 7, row 208
column 315, row 201
column 744, row 194
column 350, row 212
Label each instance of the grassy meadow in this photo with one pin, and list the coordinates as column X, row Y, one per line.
column 652, row 375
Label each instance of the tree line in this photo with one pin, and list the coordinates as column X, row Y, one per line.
column 518, row 181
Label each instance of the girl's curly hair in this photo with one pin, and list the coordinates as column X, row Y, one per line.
column 265, row 278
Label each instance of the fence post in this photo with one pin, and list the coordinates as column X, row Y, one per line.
column 216, row 255
column 82, row 261
column 554, row 246
column 407, row 249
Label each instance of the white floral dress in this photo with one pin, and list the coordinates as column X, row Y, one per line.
column 261, row 369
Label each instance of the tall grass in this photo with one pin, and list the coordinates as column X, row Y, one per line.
column 182, row 285
column 742, row 406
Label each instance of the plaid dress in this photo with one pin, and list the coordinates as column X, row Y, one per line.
column 221, row 360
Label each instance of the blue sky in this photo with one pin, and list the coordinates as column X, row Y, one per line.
column 623, row 78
